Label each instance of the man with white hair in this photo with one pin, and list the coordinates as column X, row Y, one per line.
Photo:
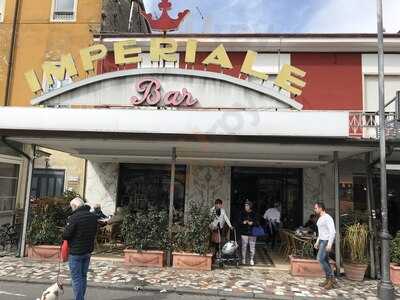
column 98, row 212
column 80, row 233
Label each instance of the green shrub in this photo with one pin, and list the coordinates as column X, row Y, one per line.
column 48, row 217
column 395, row 249
column 69, row 195
column 145, row 230
column 194, row 235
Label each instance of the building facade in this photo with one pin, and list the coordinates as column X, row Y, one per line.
column 33, row 32
column 273, row 118
column 340, row 90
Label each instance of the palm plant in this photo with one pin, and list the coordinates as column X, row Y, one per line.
column 355, row 242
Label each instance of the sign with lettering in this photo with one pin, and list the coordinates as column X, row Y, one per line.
column 152, row 96
column 162, row 50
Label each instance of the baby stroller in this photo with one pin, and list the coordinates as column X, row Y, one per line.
column 229, row 252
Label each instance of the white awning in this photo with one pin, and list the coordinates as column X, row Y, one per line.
column 194, row 122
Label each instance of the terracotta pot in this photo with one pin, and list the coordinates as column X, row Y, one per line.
column 355, row 272
column 144, row 258
column 44, row 252
column 191, row 261
column 395, row 274
column 307, row 267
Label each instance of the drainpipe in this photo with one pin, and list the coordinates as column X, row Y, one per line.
column 27, row 193
column 11, row 53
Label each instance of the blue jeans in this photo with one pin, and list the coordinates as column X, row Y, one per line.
column 323, row 258
column 78, row 266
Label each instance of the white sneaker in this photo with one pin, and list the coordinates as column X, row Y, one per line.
column 251, row 262
column 243, row 261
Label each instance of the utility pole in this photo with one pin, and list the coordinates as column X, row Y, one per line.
column 385, row 287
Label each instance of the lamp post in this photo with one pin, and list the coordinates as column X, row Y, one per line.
column 385, row 287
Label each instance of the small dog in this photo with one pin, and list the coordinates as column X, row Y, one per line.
column 52, row 292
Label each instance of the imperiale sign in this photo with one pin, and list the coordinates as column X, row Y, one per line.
column 161, row 50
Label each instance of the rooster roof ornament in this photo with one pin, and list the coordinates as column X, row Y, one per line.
column 165, row 23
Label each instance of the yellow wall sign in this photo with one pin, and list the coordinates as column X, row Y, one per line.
column 161, row 49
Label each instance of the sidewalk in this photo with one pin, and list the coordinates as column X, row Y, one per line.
column 243, row 282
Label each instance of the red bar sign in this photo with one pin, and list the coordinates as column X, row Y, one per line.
column 151, row 90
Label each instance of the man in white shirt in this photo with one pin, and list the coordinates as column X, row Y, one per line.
column 326, row 236
column 273, row 221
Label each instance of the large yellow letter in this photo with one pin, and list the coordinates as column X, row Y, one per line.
column 91, row 54
column 285, row 79
column 191, row 49
column 247, row 67
column 219, row 57
column 126, row 53
column 66, row 67
column 33, row 81
column 165, row 53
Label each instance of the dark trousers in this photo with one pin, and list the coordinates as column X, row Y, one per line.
column 273, row 230
column 79, row 266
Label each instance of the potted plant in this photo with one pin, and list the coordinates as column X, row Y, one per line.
column 47, row 219
column 302, row 260
column 145, row 234
column 191, row 241
column 395, row 259
column 355, row 249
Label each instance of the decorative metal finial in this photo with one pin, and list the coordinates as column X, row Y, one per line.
column 165, row 23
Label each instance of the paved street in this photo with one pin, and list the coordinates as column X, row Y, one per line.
column 245, row 281
column 22, row 291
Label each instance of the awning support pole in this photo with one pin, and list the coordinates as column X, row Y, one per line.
column 370, row 222
column 337, row 211
column 171, row 201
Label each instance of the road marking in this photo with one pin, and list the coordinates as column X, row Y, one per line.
column 11, row 294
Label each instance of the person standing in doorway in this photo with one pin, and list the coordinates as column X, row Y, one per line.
column 247, row 222
column 80, row 233
column 326, row 236
column 272, row 217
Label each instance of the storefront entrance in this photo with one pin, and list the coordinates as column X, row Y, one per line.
column 266, row 186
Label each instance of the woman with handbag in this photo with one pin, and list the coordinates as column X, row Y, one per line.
column 217, row 226
column 248, row 221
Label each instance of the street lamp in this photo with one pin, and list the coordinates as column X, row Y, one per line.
column 385, row 287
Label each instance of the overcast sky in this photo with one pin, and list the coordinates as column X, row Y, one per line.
column 283, row 16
